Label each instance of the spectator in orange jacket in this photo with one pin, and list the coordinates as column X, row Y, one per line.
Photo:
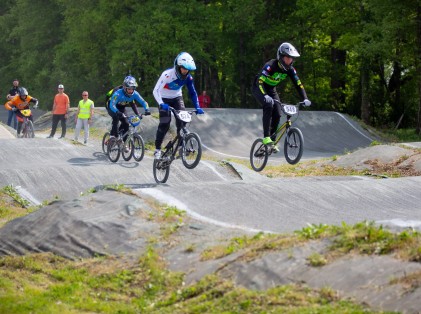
column 60, row 110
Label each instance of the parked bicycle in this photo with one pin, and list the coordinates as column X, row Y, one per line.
column 27, row 125
column 293, row 144
column 187, row 144
column 133, row 146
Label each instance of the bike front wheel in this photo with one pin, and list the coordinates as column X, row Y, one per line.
column 191, row 152
column 258, row 155
column 105, row 140
column 127, row 151
column 293, row 146
column 139, row 147
column 161, row 170
column 28, row 130
column 113, row 149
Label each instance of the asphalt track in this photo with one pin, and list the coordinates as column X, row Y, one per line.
column 229, row 195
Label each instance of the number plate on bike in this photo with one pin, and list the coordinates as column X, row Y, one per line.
column 184, row 116
column 288, row 109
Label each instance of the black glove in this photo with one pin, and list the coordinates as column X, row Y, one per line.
column 14, row 108
column 119, row 113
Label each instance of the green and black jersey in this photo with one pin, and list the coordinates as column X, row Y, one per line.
column 272, row 74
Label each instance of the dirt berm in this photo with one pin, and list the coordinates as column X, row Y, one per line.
column 219, row 199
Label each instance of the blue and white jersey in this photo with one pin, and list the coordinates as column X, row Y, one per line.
column 170, row 86
column 120, row 99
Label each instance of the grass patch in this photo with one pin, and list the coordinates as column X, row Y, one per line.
column 12, row 205
column 310, row 168
column 361, row 238
column 405, row 135
column 255, row 245
column 12, row 192
column 119, row 188
column 316, row 259
column 367, row 238
column 44, row 283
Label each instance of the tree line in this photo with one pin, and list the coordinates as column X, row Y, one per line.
column 361, row 57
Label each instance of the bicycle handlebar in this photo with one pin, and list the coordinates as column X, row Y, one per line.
column 140, row 115
column 189, row 111
column 301, row 103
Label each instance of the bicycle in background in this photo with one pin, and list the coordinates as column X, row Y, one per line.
column 105, row 140
column 293, row 144
column 133, row 146
column 187, row 144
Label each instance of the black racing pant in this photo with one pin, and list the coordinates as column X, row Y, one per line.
column 56, row 119
column 271, row 112
column 165, row 119
column 124, row 125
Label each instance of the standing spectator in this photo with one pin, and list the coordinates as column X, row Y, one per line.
column 84, row 114
column 204, row 100
column 12, row 114
column 60, row 110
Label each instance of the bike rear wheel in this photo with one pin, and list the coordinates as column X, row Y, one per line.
column 105, row 140
column 293, row 146
column 128, row 147
column 258, row 155
column 28, row 130
column 113, row 149
column 139, row 147
column 191, row 151
column 161, row 170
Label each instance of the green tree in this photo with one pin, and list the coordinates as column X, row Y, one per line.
column 37, row 35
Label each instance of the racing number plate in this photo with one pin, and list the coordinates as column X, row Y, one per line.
column 290, row 109
column 184, row 116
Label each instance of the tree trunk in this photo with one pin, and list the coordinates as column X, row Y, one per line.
column 337, row 75
column 418, row 66
column 365, row 102
column 241, row 72
column 395, row 92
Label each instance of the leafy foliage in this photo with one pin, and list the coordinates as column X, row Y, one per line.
column 358, row 57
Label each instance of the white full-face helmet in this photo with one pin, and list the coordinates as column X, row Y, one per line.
column 129, row 85
column 286, row 49
column 184, row 60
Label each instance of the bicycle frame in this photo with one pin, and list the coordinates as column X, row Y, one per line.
column 293, row 144
column 282, row 129
column 117, row 145
column 178, row 140
column 191, row 149
column 129, row 133
column 26, row 123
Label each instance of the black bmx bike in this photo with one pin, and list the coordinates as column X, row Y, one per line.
column 293, row 143
column 132, row 146
column 186, row 144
